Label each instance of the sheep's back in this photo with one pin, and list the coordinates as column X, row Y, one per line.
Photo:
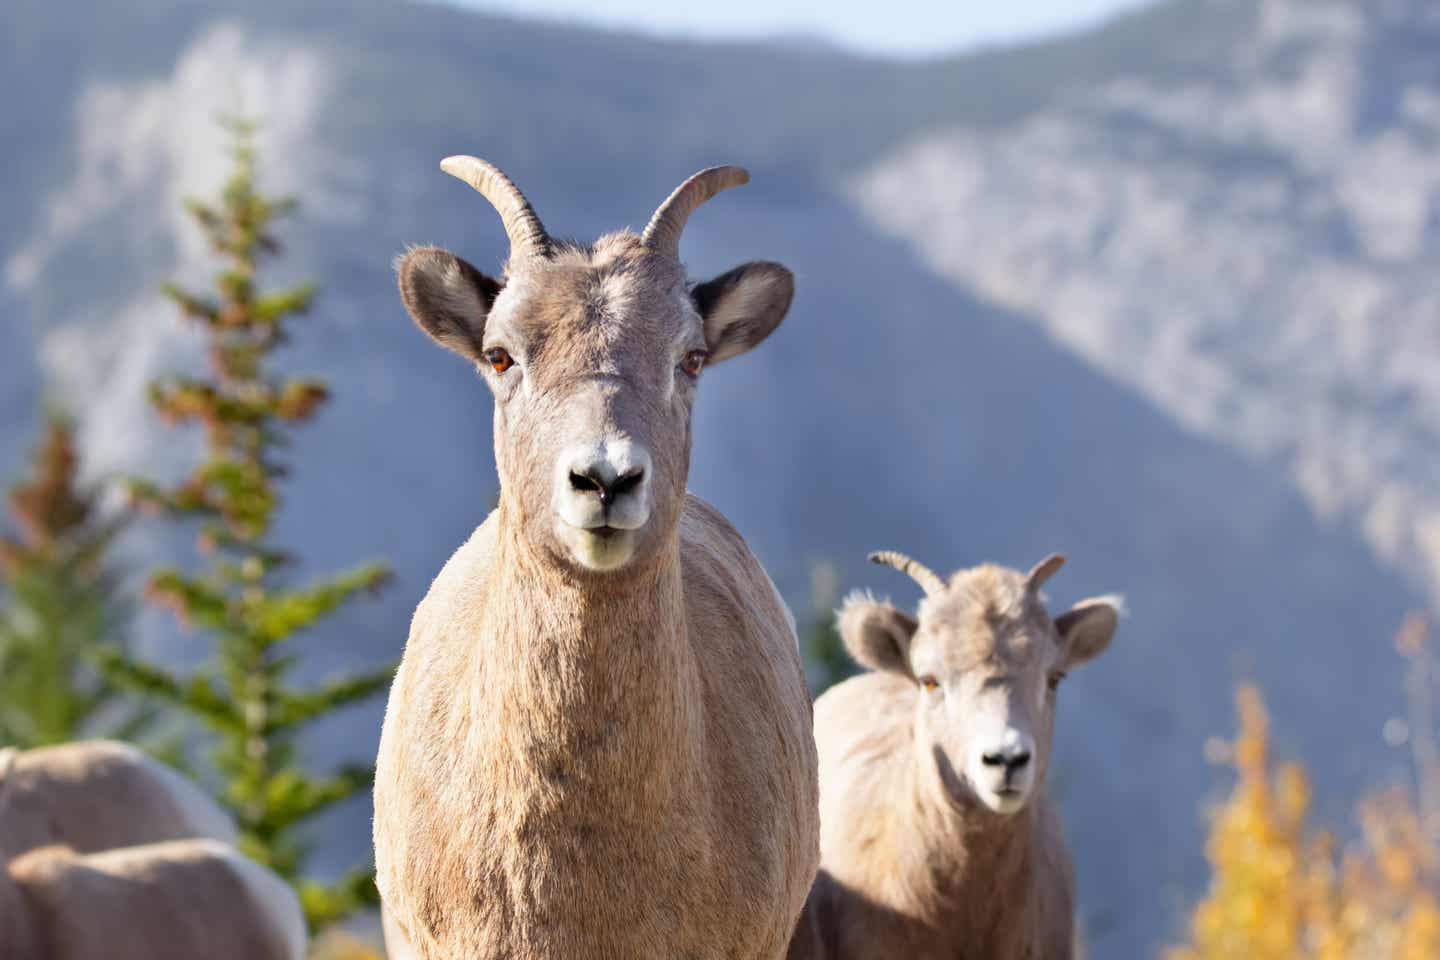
column 182, row 899
column 98, row 794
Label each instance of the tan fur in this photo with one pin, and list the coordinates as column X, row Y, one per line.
column 912, row 864
column 95, row 795
column 566, row 773
column 578, row 763
column 173, row 901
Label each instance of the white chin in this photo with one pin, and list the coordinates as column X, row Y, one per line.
column 1004, row 803
column 600, row 552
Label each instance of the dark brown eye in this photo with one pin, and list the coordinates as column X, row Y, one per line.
column 929, row 683
column 693, row 362
column 499, row 359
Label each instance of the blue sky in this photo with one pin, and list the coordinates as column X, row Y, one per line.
column 893, row 27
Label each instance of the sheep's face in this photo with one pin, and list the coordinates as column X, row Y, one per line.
column 593, row 356
column 986, row 660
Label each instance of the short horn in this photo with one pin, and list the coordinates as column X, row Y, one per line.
column 662, row 233
column 1043, row 571
column 914, row 569
column 527, row 234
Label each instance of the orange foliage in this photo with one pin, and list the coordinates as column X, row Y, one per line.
column 1278, row 890
column 339, row 945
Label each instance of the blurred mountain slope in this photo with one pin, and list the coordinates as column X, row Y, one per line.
column 1255, row 248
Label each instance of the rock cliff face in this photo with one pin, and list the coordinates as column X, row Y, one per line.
column 1161, row 296
column 1252, row 246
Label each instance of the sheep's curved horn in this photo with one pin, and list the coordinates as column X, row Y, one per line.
column 662, row 233
column 914, row 569
column 527, row 234
column 1043, row 571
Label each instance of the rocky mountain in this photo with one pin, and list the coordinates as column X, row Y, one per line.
column 1154, row 295
column 1251, row 246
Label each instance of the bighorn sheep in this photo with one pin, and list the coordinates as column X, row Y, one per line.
column 598, row 743
column 83, row 871
column 166, row 901
column 936, row 840
column 98, row 794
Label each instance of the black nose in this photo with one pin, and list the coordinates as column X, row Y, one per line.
column 590, row 482
column 1010, row 761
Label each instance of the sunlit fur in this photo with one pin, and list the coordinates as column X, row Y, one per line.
column 598, row 743
column 920, row 857
column 167, row 901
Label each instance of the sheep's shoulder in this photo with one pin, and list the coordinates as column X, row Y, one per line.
column 863, row 736
column 457, row 594
column 739, row 628
column 757, row 710
column 863, row 722
column 725, row 585
column 440, row 645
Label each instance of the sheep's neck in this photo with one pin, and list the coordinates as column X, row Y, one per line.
column 591, row 678
column 964, row 849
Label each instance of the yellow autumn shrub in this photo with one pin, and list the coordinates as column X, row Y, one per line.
column 1279, row 888
column 338, row 945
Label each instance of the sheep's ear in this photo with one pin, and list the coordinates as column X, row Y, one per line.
column 876, row 634
column 1087, row 628
column 447, row 297
column 742, row 307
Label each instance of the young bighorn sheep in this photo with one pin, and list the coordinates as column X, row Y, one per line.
column 598, row 743
column 166, row 901
column 97, row 794
column 936, row 840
